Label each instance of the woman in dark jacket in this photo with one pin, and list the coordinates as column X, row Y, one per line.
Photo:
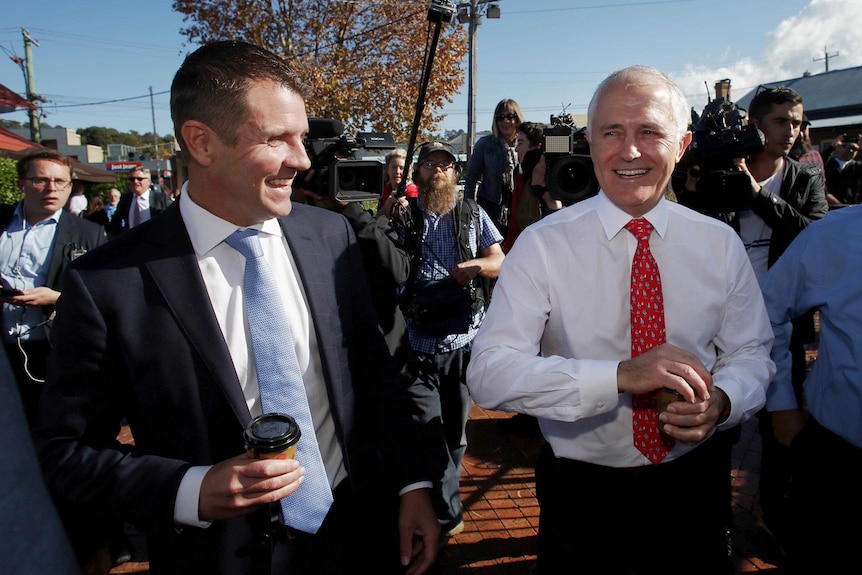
column 491, row 169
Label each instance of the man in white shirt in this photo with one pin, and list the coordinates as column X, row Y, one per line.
column 557, row 344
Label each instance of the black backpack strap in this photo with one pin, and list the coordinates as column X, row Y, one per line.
column 468, row 211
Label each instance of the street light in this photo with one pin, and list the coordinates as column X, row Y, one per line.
column 470, row 13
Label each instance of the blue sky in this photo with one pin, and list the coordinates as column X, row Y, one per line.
column 545, row 54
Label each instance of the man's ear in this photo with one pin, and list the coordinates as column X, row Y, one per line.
column 199, row 140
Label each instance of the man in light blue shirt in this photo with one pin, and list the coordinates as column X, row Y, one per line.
column 825, row 432
column 39, row 239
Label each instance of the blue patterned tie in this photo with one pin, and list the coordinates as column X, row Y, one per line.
column 280, row 380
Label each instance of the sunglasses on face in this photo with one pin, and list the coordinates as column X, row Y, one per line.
column 502, row 117
column 139, row 179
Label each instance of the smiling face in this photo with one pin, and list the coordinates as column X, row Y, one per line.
column 139, row 182
column 251, row 181
column 780, row 127
column 635, row 143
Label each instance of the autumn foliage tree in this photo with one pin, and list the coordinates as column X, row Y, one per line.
column 362, row 58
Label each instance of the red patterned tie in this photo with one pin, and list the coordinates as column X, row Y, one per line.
column 647, row 316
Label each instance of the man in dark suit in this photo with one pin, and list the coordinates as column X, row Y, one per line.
column 40, row 240
column 153, row 329
column 141, row 203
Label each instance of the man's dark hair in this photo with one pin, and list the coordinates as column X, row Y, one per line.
column 23, row 165
column 533, row 130
column 764, row 99
column 212, row 81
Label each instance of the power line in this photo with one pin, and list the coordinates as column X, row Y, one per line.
column 112, row 101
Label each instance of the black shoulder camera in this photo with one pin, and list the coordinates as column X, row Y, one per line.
column 335, row 166
column 569, row 175
column 721, row 134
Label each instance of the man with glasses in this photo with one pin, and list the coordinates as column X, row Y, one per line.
column 443, row 227
column 139, row 204
column 39, row 240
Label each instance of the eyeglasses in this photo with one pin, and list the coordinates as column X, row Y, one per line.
column 42, row 183
column 437, row 165
column 139, row 179
column 502, row 117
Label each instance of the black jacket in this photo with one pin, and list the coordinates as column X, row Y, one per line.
column 159, row 202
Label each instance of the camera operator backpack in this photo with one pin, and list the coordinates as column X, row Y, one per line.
column 438, row 308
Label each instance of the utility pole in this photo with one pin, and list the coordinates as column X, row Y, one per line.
column 35, row 134
column 826, row 56
column 156, row 140
column 469, row 13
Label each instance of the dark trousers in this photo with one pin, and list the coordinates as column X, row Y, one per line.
column 441, row 405
column 775, row 458
column 824, row 503
column 350, row 537
column 668, row 518
column 28, row 364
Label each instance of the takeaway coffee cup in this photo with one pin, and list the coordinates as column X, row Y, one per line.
column 663, row 398
column 271, row 436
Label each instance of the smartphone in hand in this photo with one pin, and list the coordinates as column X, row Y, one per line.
column 9, row 292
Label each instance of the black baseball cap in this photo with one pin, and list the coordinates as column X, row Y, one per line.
column 429, row 147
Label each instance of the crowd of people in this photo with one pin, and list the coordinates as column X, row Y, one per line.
column 638, row 328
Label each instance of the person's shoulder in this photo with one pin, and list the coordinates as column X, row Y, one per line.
column 810, row 170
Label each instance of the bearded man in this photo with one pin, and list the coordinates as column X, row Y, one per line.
column 436, row 371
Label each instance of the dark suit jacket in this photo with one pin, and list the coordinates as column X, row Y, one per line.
column 136, row 338
column 159, row 202
column 73, row 234
column 32, row 539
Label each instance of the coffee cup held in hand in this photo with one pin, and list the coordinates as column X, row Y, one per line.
column 663, row 398
column 271, row 436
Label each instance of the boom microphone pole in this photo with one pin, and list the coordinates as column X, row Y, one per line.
column 439, row 11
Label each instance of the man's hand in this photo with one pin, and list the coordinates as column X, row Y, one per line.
column 740, row 165
column 787, row 424
column 34, row 297
column 419, row 531
column 691, row 423
column 386, row 208
column 666, row 366
column 239, row 485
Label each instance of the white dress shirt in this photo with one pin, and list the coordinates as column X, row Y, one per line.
column 222, row 268
column 559, row 324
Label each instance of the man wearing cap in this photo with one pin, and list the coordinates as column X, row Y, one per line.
column 843, row 170
column 440, row 223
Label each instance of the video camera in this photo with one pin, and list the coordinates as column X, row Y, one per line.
column 569, row 177
column 721, row 134
column 336, row 170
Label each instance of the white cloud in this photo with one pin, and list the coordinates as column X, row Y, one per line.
column 790, row 50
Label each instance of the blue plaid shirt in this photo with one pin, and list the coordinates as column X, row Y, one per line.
column 440, row 254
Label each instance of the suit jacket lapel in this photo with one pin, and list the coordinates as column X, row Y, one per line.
column 309, row 254
column 178, row 277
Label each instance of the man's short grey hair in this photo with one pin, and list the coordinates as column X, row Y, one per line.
column 634, row 75
column 144, row 171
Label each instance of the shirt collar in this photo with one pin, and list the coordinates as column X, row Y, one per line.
column 18, row 220
column 207, row 230
column 614, row 219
